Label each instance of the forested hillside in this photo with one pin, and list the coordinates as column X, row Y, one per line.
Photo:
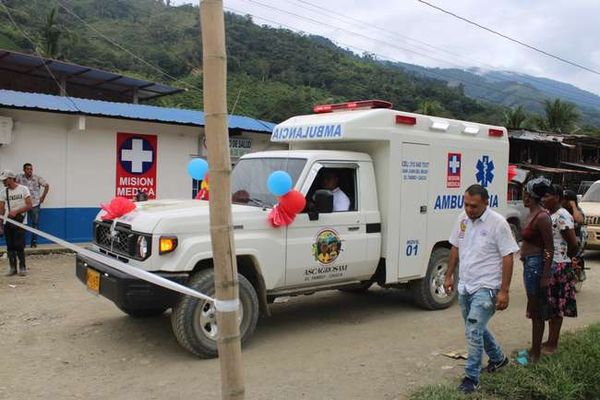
column 273, row 73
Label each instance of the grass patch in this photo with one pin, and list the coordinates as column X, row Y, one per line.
column 573, row 373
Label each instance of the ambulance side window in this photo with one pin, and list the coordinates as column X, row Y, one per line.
column 346, row 183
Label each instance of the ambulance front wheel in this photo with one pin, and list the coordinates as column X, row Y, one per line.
column 194, row 321
column 429, row 292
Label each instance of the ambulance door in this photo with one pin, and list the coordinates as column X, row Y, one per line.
column 332, row 248
column 414, row 171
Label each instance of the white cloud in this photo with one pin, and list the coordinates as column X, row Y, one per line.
column 566, row 28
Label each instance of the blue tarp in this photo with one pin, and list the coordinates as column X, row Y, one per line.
column 46, row 102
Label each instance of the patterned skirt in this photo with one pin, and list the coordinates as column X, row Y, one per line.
column 561, row 291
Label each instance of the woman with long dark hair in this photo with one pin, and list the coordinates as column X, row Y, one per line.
column 537, row 251
column 561, row 290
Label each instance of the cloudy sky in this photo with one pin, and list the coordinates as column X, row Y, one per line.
column 412, row 32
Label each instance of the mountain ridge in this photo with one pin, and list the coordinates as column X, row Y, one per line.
column 273, row 73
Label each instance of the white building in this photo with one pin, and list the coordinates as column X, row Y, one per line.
column 89, row 151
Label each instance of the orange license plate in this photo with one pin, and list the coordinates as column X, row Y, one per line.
column 93, row 280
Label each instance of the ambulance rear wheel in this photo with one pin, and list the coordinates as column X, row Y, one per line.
column 429, row 292
column 194, row 321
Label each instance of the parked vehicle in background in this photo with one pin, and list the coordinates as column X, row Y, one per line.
column 590, row 204
column 584, row 187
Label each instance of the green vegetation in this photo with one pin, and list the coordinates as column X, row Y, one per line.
column 515, row 118
column 571, row 374
column 273, row 73
column 559, row 116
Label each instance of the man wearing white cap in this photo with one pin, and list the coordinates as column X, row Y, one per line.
column 15, row 201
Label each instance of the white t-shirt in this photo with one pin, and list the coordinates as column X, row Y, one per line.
column 561, row 221
column 17, row 197
column 341, row 202
column 481, row 245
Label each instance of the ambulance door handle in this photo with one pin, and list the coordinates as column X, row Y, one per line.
column 354, row 228
column 423, row 209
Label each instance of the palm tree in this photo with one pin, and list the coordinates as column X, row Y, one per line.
column 430, row 107
column 514, row 118
column 51, row 35
column 560, row 116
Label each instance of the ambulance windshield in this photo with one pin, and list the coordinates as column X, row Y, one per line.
column 250, row 175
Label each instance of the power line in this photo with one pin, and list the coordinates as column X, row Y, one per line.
column 42, row 59
column 510, row 38
column 321, row 23
column 438, row 74
column 158, row 69
column 394, row 34
column 123, row 48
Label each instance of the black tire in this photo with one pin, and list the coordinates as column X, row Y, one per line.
column 190, row 315
column 359, row 288
column 144, row 313
column 429, row 292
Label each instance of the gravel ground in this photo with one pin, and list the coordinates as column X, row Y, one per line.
column 59, row 341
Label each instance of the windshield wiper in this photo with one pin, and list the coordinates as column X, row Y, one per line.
column 258, row 202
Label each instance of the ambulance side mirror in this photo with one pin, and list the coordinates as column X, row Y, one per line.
column 323, row 204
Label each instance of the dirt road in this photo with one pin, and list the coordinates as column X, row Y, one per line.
column 58, row 341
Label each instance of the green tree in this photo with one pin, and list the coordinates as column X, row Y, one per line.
column 430, row 107
column 51, row 35
column 560, row 116
column 514, row 118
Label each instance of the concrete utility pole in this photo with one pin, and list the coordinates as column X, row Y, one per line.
column 221, row 229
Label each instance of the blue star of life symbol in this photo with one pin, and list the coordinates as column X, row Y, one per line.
column 485, row 171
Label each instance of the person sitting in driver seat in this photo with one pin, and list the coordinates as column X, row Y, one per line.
column 330, row 181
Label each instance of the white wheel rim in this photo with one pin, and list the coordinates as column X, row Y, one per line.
column 205, row 318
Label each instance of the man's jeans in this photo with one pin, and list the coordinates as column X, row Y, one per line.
column 477, row 309
column 33, row 220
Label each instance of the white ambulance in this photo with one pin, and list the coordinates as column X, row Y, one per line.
column 403, row 176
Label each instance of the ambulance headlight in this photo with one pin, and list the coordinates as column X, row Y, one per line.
column 142, row 247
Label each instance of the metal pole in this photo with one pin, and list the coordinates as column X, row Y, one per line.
column 221, row 228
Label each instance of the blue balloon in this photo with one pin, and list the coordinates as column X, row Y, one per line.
column 197, row 168
column 279, row 183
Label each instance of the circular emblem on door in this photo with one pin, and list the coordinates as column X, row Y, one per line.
column 327, row 246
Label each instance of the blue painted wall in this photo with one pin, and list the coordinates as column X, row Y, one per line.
column 71, row 224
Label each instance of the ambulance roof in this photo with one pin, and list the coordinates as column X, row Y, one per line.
column 378, row 124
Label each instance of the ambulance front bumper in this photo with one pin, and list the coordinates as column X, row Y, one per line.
column 126, row 291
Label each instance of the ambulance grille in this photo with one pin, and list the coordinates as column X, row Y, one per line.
column 120, row 240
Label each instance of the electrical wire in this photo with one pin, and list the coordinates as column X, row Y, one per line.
column 147, row 63
column 393, row 34
column 126, row 50
column 544, row 52
column 42, row 59
column 444, row 77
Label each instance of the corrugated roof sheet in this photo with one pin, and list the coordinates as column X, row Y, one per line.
column 33, row 65
column 46, row 102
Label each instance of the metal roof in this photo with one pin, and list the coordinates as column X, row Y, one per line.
column 551, row 170
column 594, row 168
column 539, row 137
column 74, row 74
column 71, row 105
